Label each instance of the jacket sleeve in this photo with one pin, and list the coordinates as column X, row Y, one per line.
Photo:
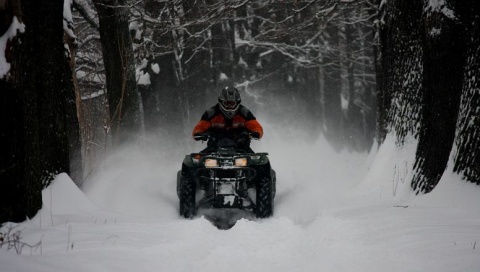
column 204, row 124
column 254, row 126
column 251, row 122
column 201, row 127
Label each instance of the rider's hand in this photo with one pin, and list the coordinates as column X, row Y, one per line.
column 255, row 135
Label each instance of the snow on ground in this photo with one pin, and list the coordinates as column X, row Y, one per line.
column 334, row 212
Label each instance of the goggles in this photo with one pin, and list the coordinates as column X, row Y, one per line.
column 229, row 104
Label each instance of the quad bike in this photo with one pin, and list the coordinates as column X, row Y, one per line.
column 226, row 177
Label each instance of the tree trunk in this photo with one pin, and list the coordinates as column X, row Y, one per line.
column 365, row 81
column 443, row 73
column 123, row 98
column 332, row 102
column 35, row 101
column 74, row 110
column 354, row 134
column 400, row 61
column 467, row 141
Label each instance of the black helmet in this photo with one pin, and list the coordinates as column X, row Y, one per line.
column 229, row 101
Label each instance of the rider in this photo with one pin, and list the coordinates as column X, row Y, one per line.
column 228, row 119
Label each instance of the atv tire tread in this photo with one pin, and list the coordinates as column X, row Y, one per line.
column 264, row 203
column 187, row 199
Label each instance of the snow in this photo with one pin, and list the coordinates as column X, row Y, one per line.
column 155, row 68
column 137, row 28
column 68, row 18
column 441, row 7
column 435, row 31
column 334, row 212
column 290, row 79
column 93, row 95
column 223, row 77
column 143, row 78
column 242, row 63
column 8, row 35
column 344, row 102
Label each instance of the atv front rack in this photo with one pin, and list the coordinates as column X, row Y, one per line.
column 226, row 187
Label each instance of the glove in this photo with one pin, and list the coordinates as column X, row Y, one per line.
column 255, row 135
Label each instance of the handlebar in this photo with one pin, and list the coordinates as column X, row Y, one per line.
column 208, row 136
column 201, row 137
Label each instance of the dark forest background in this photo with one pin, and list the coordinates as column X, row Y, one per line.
column 81, row 86
column 316, row 56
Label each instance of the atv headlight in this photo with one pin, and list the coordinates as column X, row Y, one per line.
column 211, row 163
column 241, row 162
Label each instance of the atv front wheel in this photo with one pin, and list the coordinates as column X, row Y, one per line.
column 187, row 198
column 264, row 202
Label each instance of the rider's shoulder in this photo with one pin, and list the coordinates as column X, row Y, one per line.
column 246, row 112
column 211, row 112
column 243, row 110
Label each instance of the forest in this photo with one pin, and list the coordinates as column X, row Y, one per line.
column 81, row 78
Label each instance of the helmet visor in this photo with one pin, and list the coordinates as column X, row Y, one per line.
column 229, row 105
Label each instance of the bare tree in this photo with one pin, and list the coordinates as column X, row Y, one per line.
column 187, row 49
column 123, row 98
column 279, row 47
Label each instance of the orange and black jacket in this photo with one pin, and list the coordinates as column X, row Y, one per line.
column 214, row 121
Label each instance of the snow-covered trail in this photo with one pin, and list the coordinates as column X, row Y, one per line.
column 141, row 180
column 326, row 219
